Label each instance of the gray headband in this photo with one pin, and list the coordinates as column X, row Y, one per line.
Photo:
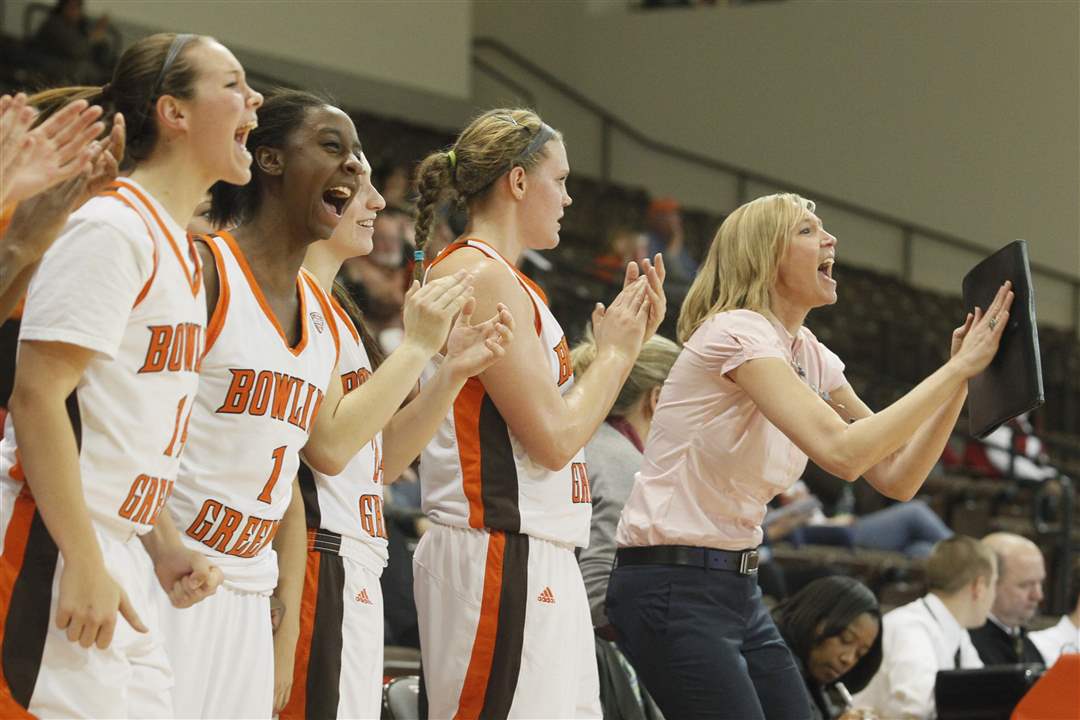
column 178, row 44
column 546, row 133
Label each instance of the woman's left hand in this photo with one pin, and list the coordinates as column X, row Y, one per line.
column 471, row 349
column 655, row 274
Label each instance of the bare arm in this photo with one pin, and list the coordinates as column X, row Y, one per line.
column 849, row 451
column 470, row 350
column 903, row 473
column 348, row 422
column 551, row 426
column 291, row 546
column 89, row 597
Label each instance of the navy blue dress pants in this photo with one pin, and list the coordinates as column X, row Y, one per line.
column 704, row 645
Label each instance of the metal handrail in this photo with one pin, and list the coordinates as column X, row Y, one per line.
column 610, row 121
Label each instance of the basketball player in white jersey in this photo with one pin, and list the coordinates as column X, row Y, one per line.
column 272, row 346
column 110, row 344
column 505, row 628
column 339, row 667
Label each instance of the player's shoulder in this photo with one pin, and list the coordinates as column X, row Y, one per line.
column 107, row 213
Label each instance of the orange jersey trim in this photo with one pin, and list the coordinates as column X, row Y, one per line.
column 221, row 309
column 474, row 689
column 149, row 233
column 297, row 705
column 323, row 298
column 18, row 532
column 5, row 217
column 467, row 429
column 522, row 278
column 194, row 279
column 345, row 318
column 261, row 299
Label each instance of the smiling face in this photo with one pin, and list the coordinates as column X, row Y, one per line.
column 353, row 235
column 320, row 167
column 833, row 657
column 220, row 114
column 546, row 198
column 804, row 277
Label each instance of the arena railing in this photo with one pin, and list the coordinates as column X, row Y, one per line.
column 610, row 124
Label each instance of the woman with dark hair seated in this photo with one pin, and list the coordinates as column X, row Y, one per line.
column 833, row 627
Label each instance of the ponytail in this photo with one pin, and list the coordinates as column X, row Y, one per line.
column 434, row 181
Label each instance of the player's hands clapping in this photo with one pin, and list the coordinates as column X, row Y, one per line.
column 471, row 349
column 38, row 220
column 654, row 273
column 15, row 120
column 621, row 327
column 976, row 342
column 429, row 310
column 56, row 150
column 88, row 604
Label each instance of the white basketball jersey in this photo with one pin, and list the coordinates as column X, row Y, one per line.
column 475, row 473
column 131, row 407
column 350, row 504
column 257, row 399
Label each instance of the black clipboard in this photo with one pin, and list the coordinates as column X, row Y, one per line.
column 1012, row 383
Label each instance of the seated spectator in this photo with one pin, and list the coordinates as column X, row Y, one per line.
column 1003, row 639
column 1015, row 451
column 666, row 236
column 1053, row 642
column 625, row 244
column 929, row 634
column 79, row 48
column 613, row 456
column 833, row 627
column 910, row 527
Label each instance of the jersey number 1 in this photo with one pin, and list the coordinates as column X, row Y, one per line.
column 279, row 458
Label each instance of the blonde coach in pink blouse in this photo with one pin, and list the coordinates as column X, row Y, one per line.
column 752, row 395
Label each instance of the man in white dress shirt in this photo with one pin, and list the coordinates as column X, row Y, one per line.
column 1064, row 637
column 930, row 634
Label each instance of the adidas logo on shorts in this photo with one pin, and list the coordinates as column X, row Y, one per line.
column 362, row 597
column 547, row 596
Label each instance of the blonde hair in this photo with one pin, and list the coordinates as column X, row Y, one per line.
column 491, row 145
column 744, row 258
column 956, row 562
column 650, row 369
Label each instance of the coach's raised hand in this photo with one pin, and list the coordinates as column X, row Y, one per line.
column 979, row 344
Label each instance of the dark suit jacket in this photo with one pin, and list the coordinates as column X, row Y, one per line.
column 996, row 647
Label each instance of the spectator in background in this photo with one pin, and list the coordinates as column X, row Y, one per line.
column 78, row 47
column 380, row 280
column 1053, row 642
column 833, row 627
column 1015, row 451
column 397, row 187
column 1003, row 639
column 625, row 245
column 613, row 456
column 911, row 527
column 929, row 634
column 666, row 235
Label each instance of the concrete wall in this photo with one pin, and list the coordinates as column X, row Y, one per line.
column 960, row 116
